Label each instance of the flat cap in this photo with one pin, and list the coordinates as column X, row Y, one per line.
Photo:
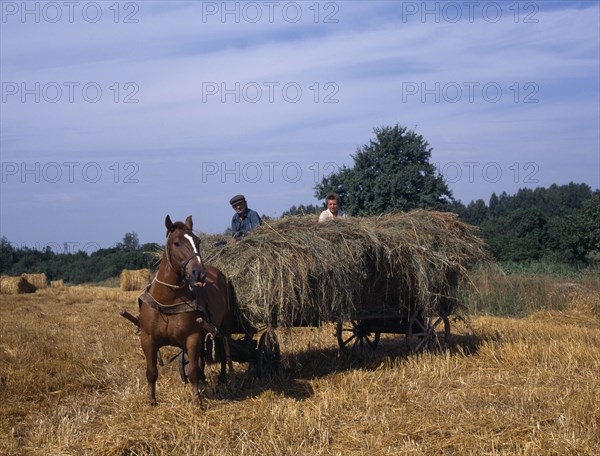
column 237, row 199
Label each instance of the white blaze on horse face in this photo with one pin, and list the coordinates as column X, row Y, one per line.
column 191, row 239
column 197, row 257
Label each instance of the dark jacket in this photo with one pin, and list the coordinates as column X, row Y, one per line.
column 240, row 228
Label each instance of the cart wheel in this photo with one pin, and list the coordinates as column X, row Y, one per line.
column 183, row 361
column 268, row 356
column 356, row 335
column 423, row 332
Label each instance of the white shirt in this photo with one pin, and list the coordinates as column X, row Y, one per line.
column 327, row 215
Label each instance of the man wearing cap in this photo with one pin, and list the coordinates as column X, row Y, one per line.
column 244, row 220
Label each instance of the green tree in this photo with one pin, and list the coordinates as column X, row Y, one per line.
column 130, row 242
column 578, row 234
column 590, row 222
column 520, row 235
column 475, row 213
column 302, row 210
column 558, row 223
column 392, row 172
column 8, row 255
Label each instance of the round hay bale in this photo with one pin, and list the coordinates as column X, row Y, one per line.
column 135, row 279
column 38, row 280
column 57, row 283
column 15, row 285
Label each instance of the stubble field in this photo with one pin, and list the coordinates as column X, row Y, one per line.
column 72, row 382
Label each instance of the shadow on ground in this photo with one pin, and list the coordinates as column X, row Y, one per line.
column 298, row 369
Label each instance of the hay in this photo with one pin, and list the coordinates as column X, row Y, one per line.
column 135, row 280
column 57, row 283
column 39, row 281
column 16, row 285
column 297, row 270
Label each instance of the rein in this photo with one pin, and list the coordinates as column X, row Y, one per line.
column 168, row 284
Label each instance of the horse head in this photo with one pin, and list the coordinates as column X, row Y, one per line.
column 182, row 251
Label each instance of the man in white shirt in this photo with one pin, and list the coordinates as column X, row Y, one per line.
column 333, row 210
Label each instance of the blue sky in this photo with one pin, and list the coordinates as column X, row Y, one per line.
column 114, row 115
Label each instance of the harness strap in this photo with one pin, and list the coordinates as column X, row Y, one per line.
column 179, row 307
column 175, row 287
column 183, row 264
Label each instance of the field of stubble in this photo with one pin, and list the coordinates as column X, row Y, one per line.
column 72, row 382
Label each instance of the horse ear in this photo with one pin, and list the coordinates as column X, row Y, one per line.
column 169, row 224
column 188, row 222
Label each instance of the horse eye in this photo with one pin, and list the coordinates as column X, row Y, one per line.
column 177, row 244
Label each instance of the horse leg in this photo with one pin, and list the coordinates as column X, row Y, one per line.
column 151, row 354
column 194, row 348
column 228, row 355
column 208, row 344
column 225, row 359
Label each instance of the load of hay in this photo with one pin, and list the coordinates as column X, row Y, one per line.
column 297, row 270
column 59, row 283
column 16, row 285
column 135, row 279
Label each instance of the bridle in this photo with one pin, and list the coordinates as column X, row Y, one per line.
column 182, row 265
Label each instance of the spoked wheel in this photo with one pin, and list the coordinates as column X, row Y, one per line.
column 355, row 335
column 268, row 356
column 423, row 333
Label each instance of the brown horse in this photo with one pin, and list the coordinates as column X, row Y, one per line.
column 185, row 301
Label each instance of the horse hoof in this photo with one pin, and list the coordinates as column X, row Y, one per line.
column 198, row 402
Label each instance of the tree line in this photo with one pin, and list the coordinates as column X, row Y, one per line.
column 560, row 223
column 392, row 172
column 78, row 267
